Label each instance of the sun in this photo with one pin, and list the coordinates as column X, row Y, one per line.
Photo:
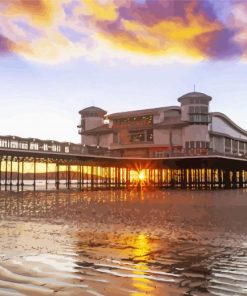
column 141, row 176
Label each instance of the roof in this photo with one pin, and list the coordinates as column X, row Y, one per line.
column 151, row 111
column 229, row 121
column 171, row 122
column 195, row 94
column 92, row 109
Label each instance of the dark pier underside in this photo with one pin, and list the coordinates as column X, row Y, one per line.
column 100, row 172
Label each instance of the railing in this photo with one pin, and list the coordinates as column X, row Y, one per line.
column 210, row 152
column 36, row 145
column 49, row 146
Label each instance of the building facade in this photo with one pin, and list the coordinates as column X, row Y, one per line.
column 188, row 129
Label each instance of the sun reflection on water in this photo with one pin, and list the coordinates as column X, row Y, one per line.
column 141, row 253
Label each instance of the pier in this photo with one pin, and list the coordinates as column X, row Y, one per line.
column 29, row 163
column 180, row 147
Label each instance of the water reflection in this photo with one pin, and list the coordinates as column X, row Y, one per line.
column 123, row 243
column 141, row 252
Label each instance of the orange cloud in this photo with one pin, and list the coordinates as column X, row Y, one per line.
column 166, row 37
column 38, row 12
column 33, row 28
column 105, row 11
column 170, row 37
column 54, row 31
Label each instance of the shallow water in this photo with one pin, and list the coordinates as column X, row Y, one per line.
column 123, row 243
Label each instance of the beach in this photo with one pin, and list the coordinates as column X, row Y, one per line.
column 138, row 242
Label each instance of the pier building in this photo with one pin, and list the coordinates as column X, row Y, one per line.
column 186, row 146
column 188, row 129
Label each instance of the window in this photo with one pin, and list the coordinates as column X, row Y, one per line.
column 228, row 142
column 66, row 149
column 198, row 109
column 34, row 146
column 235, row 146
column 205, row 118
column 137, row 136
column 45, row 147
column 149, row 135
column 13, row 144
column 144, row 120
column 199, row 114
column 197, row 145
column 3, row 143
column 90, row 114
column 199, row 118
column 141, row 136
column 55, row 148
column 241, row 147
column 23, row 145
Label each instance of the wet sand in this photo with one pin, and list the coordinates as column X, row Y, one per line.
column 123, row 243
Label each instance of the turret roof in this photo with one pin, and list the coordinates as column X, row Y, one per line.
column 195, row 94
column 92, row 109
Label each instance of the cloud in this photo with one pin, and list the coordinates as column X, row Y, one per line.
column 239, row 21
column 6, row 45
column 141, row 30
column 37, row 12
column 162, row 33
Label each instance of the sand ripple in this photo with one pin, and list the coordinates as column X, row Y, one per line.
column 123, row 243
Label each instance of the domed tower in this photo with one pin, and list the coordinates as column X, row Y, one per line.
column 91, row 117
column 194, row 107
column 195, row 110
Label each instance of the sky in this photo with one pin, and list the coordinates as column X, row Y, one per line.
column 60, row 56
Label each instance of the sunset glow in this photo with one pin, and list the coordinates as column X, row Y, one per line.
column 60, row 56
column 56, row 31
column 123, row 147
column 141, row 176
